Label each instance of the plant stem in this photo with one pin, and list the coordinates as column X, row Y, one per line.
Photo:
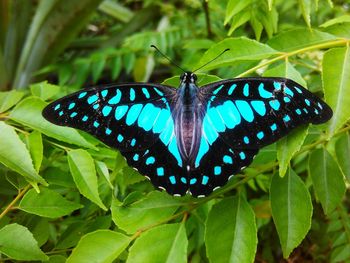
column 207, row 18
column 14, row 201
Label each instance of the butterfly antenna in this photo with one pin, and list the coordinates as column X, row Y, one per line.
column 172, row 62
column 227, row 49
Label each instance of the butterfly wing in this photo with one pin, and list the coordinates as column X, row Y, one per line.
column 133, row 118
column 243, row 115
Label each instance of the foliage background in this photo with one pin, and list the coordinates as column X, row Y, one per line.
column 65, row 196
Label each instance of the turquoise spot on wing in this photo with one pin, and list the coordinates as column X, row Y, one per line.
column 133, row 142
column 246, row 90
column 132, row 94
column 242, row 155
column 298, row 111
column 85, row 118
column 316, row 111
column 96, row 106
column 264, row 93
column 319, row 105
column 286, row 118
column 116, row 98
column 92, row 99
column 106, row 110
column 307, row 102
column 227, row 159
column 148, row 116
column 161, row 121
column 184, row 180
column 158, row 91
column 245, row 110
column 193, row 181
column 73, row 114
column 104, row 93
column 218, row 89
column 96, row 124
column 57, row 107
column 209, row 130
column 60, row 113
column 136, row 157
column 260, row 135
column 229, row 114
column 71, row 106
column 246, row 139
column 133, row 114
column 167, row 133
column 305, row 110
column 288, row 91
column 273, row 127
column 172, row 179
column 175, row 151
column 120, row 112
column 259, row 107
column 203, row 149
column 82, row 95
column 108, row 131
column 150, row 160
column 275, row 104
column 205, row 180
column 146, row 92
column 231, row 89
column 160, row 171
column 216, row 119
column 286, row 99
column 120, row 138
column 298, row 90
column 277, row 85
column 217, row 170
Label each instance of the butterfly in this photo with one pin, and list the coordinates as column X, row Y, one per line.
column 190, row 139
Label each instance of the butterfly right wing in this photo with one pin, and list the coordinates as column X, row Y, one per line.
column 133, row 118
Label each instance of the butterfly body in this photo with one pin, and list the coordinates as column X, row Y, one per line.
column 190, row 139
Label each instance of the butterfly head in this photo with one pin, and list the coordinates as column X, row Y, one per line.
column 188, row 77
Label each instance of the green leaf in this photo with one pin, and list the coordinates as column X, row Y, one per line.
column 47, row 203
column 285, row 70
column 143, row 68
column 240, row 49
column 342, row 150
column 116, row 10
column 84, row 175
column 305, row 6
column 288, row 146
column 97, row 66
column 202, row 79
column 9, row 99
column 151, row 209
column 28, row 112
column 234, row 7
column 15, row 155
column 102, row 169
column 337, row 20
column 99, row 246
column 233, row 221
column 116, row 65
column 291, row 210
column 298, row 39
column 44, row 90
column 240, row 19
column 336, row 82
column 327, row 179
column 169, row 244
column 18, row 243
column 35, row 143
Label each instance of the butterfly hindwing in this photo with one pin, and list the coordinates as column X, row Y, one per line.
column 250, row 113
column 133, row 118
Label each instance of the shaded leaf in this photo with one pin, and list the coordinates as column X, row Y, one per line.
column 15, row 155
column 169, row 244
column 99, row 246
column 305, row 6
column 18, row 243
column 327, row 179
column 140, row 213
column 342, row 150
column 336, row 82
column 84, row 175
column 28, row 112
column 291, row 210
column 47, row 203
column 233, row 221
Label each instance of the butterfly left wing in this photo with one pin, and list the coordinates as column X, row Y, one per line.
column 243, row 115
column 133, row 118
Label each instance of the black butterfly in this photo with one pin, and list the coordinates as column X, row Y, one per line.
column 190, row 139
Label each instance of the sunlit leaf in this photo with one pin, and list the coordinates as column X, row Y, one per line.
column 342, row 150
column 35, row 143
column 44, row 90
column 9, row 99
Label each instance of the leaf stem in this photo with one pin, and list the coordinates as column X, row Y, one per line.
column 14, row 201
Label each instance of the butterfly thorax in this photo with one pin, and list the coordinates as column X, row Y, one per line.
column 187, row 116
